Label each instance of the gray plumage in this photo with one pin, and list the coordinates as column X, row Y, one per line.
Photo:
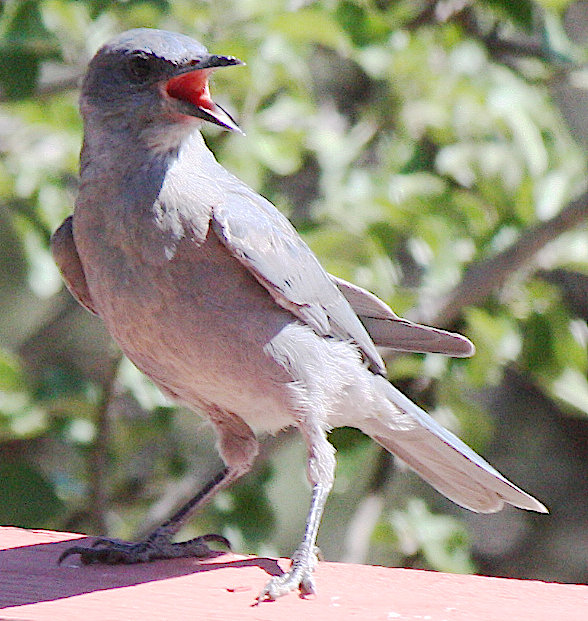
column 210, row 291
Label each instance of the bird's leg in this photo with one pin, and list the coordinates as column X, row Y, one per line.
column 238, row 448
column 321, row 471
column 157, row 545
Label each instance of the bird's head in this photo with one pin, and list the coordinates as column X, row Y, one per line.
column 149, row 80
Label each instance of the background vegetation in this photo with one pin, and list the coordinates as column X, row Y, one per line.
column 434, row 152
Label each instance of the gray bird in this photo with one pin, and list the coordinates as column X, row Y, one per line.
column 212, row 293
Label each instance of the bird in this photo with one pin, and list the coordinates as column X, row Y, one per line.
column 211, row 292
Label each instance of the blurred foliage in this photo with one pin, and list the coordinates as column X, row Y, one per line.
column 407, row 140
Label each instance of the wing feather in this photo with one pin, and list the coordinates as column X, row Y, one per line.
column 68, row 261
column 259, row 236
column 389, row 330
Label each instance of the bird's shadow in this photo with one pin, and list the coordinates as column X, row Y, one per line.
column 35, row 575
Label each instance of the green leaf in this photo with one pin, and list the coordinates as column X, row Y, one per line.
column 24, row 43
column 519, row 11
column 22, row 83
column 442, row 539
column 310, row 25
column 27, row 498
column 497, row 342
column 248, row 508
column 361, row 23
column 538, row 344
column 12, row 378
column 572, row 387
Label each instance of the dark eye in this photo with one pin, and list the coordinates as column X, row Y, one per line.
column 140, row 67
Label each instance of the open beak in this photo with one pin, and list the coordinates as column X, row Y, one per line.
column 190, row 88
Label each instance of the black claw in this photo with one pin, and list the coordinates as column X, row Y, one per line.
column 69, row 552
column 218, row 538
column 156, row 547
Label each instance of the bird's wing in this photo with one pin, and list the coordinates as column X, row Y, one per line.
column 389, row 330
column 263, row 240
column 66, row 256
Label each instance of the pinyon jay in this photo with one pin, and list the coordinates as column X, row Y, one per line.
column 212, row 293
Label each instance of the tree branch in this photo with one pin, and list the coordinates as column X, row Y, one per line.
column 484, row 277
column 98, row 461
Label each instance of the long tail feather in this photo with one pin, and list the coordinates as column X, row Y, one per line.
column 446, row 462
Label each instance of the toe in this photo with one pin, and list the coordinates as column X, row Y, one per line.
column 156, row 547
column 296, row 578
column 70, row 552
column 307, row 586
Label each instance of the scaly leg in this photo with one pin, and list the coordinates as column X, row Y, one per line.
column 321, row 472
column 238, row 447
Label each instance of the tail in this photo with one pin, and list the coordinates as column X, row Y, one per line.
column 443, row 460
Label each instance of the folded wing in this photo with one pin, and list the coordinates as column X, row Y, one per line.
column 389, row 330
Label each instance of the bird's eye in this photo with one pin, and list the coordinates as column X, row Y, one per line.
column 140, row 67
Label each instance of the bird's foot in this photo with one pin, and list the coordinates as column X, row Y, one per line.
column 299, row 577
column 156, row 547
